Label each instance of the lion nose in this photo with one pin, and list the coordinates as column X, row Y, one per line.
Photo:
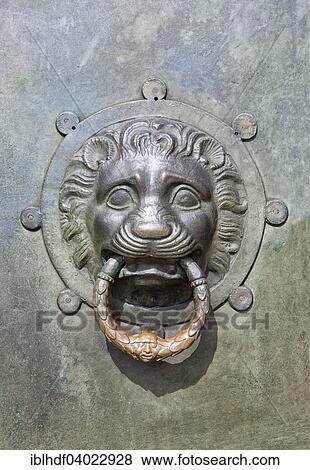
column 151, row 229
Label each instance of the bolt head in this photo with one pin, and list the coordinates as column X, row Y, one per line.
column 31, row 218
column 276, row 212
column 69, row 302
column 154, row 89
column 241, row 299
column 245, row 126
column 67, row 122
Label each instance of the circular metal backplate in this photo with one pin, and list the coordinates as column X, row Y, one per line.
column 60, row 252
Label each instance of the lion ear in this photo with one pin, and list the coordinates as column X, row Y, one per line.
column 98, row 149
column 210, row 152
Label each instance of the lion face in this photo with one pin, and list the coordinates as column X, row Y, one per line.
column 153, row 191
column 147, row 210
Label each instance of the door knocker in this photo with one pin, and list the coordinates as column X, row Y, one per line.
column 156, row 209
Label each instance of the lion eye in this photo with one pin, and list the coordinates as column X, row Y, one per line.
column 120, row 198
column 185, row 199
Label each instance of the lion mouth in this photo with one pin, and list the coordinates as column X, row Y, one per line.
column 151, row 283
column 148, row 267
column 149, row 345
column 152, row 270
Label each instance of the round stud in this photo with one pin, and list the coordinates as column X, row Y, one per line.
column 154, row 89
column 241, row 299
column 68, row 302
column 31, row 218
column 67, row 122
column 245, row 126
column 276, row 212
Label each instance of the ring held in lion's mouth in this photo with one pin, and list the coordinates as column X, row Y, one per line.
column 148, row 346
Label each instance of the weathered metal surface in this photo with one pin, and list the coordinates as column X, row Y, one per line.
column 61, row 385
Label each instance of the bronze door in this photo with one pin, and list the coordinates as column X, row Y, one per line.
column 155, row 225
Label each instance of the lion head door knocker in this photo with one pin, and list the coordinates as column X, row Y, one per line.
column 153, row 208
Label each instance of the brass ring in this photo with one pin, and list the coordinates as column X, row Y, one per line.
column 148, row 346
